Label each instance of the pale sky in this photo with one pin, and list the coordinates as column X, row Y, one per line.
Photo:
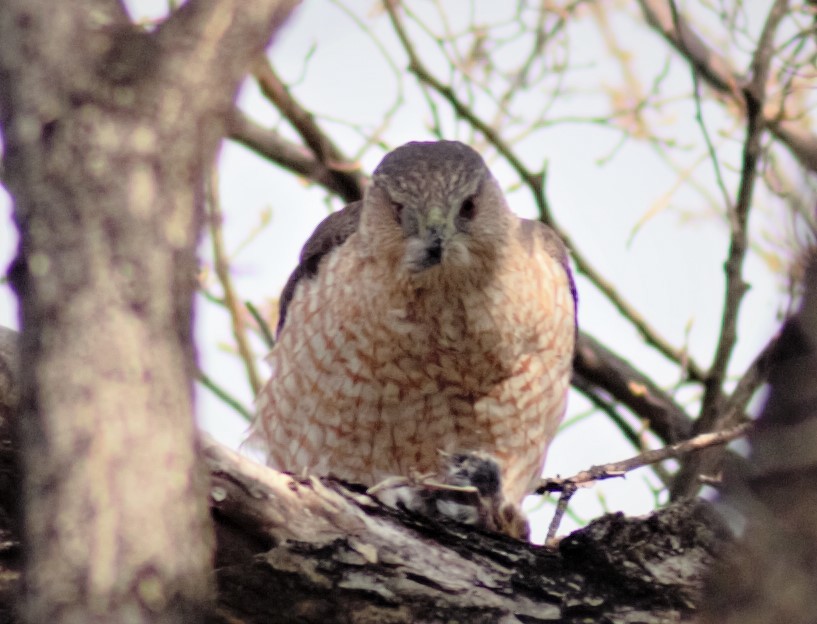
column 670, row 270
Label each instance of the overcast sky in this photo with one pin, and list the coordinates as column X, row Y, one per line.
column 669, row 268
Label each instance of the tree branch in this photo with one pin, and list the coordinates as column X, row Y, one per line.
column 773, row 492
column 382, row 565
column 621, row 468
column 213, row 41
column 755, row 97
column 317, row 550
column 732, row 411
column 347, row 174
column 221, row 265
column 295, row 158
column 225, row 396
column 754, row 94
column 601, row 368
column 569, row 485
column 725, row 79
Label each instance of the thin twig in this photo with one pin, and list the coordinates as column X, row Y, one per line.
column 302, row 120
column 561, row 507
column 620, row 468
column 755, row 95
column 724, row 79
column 373, row 137
column 732, row 411
column 751, row 379
column 710, row 146
column 635, row 438
column 416, row 66
column 263, row 326
column 645, row 330
column 225, row 396
column 520, row 76
column 222, row 269
column 296, row 158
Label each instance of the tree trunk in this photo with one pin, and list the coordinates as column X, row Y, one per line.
column 107, row 130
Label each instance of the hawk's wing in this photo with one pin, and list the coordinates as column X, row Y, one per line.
column 332, row 232
column 535, row 234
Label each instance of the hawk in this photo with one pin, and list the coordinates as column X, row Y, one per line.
column 427, row 318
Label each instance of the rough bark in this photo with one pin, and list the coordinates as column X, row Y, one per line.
column 107, row 131
column 9, row 476
column 770, row 575
column 292, row 550
column 308, row 550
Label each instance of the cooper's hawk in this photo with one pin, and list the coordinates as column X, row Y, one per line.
column 425, row 318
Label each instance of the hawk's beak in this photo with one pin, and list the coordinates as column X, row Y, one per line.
column 435, row 236
column 434, row 245
column 428, row 247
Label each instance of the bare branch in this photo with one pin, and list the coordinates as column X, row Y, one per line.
column 594, row 394
column 774, row 490
column 222, row 268
column 753, row 377
column 754, row 95
column 325, row 151
column 225, row 396
column 532, row 180
column 263, row 326
column 710, row 146
column 634, row 437
column 621, row 468
column 732, row 411
column 725, row 80
column 628, row 311
column 599, row 367
column 561, row 507
column 300, row 160
column 798, row 138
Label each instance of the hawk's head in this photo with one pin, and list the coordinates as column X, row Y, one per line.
column 436, row 204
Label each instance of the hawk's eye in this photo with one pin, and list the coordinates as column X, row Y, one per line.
column 397, row 210
column 468, row 209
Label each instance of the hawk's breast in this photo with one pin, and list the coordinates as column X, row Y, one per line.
column 373, row 375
